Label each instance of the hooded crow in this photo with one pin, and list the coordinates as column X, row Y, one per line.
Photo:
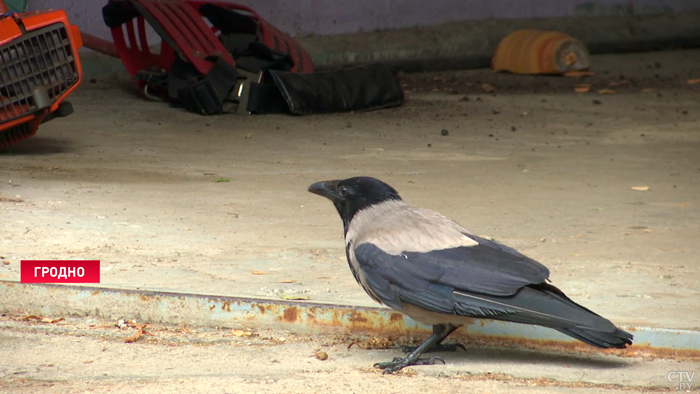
column 427, row 266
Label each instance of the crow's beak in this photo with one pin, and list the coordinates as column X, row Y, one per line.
column 325, row 189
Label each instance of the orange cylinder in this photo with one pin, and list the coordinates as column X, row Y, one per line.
column 540, row 52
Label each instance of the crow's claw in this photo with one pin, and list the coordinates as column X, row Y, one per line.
column 451, row 347
column 398, row 363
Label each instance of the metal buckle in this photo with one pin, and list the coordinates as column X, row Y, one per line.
column 241, row 91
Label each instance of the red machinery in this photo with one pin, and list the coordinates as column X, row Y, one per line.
column 39, row 69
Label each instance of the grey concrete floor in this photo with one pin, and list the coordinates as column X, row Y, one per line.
column 81, row 356
column 131, row 183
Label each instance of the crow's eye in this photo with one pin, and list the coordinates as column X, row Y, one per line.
column 342, row 191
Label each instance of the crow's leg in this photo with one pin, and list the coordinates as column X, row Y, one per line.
column 440, row 332
column 438, row 346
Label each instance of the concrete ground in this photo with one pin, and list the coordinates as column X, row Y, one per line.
column 89, row 356
column 545, row 170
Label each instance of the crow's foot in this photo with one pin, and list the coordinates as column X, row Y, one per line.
column 400, row 363
column 441, row 347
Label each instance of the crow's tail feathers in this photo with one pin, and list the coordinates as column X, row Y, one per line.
column 618, row 339
column 545, row 305
column 594, row 329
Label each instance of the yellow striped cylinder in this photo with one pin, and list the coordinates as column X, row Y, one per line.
column 540, row 52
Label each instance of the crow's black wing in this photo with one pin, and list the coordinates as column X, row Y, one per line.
column 488, row 280
column 487, row 268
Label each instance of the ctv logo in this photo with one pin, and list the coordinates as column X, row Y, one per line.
column 683, row 380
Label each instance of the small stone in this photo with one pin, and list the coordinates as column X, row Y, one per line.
column 597, row 102
column 323, row 356
column 430, row 145
column 513, row 128
column 445, row 132
column 465, row 98
column 488, row 88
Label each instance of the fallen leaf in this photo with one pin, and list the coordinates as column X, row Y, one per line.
column 606, row 91
column 323, row 356
column 693, row 81
column 294, row 297
column 217, row 180
column 258, row 273
column 88, row 362
column 578, row 73
column 647, row 90
column 42, row 319
column 374, row 343
column 641, row 188
column 286, row 281
column 6, row 262
column 582, row 88
column 618, row 83
column 248, row 136
column 138, row 334
column 241, row 333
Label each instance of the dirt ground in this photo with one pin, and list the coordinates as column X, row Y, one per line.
column 535, row 165
column 89, row 356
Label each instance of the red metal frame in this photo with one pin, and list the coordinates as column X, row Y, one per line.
column 195, row 39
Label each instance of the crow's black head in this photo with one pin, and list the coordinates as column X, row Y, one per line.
column 354, row 194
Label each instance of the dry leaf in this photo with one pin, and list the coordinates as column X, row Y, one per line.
column 641, row 188
column 241, row 333
column 577, row 73
column 294, row 297
column 374, row 343
column 618, row 83
column 139, row 333
column 42, row 319
column 258, row 273
column 582, row 88
column 323, row 356
column 248, row 136
column 647, row 90
column 134, row 338
column 606, row 91
column 693, row 81
column 287, row 281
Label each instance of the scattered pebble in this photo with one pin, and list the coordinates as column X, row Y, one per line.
column 488, row 88
column 323, row 356
column 445, row 132
column 598, row 102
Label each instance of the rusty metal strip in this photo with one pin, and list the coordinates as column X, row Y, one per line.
column 301, row 317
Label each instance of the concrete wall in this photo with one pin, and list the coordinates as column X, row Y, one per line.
column 330, row 17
